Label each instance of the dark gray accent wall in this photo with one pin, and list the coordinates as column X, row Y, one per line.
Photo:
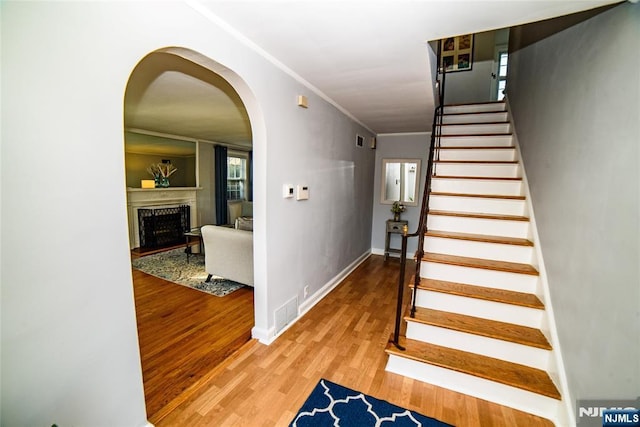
column 574, row 96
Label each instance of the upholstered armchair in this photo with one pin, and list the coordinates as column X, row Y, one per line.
column 228, row 253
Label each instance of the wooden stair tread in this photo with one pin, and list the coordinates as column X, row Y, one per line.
column 480, row 196
column 479, row 215
column 484, row 327
column 495, row 178
column 487, row 264
column 475, row 103
column 489, row 162
column 511, row 374
column 475, row 134
column 475, row 113
column 505, row 122
column 479, row 147
column 481, row 292
column 480, row 238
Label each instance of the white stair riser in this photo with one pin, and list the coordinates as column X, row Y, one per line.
column 501, row 312
column 479, row 276
column 476, row 186
column 508, row 170
column 474, row 108
column 491, row 227
column 476, row 129
column 492, row 154
column 477, row 141
column 475, row 118
column 477, row 205
column 501, row 394
column 484, row 250
column 498, row 349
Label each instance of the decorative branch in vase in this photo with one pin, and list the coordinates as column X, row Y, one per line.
column 161, row 173
column 397, row 208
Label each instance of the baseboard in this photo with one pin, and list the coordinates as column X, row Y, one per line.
column 267, row 336
column 147, row 424
column 330, row 285
column 378, row 251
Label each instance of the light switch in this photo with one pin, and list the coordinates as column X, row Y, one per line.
column 302, row 192
column 287, row 191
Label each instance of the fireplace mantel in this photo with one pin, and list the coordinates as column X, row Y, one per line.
column 138, row 198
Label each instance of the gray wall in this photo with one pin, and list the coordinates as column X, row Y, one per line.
column 206, row 181
column 575, row 102
column 474, row 85
column 399, row 146
column 69, row 350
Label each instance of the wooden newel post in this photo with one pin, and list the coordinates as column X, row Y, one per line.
column 403, row 262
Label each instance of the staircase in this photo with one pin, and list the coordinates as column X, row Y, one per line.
column 478, row 323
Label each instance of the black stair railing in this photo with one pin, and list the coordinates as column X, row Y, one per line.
column 434, row 152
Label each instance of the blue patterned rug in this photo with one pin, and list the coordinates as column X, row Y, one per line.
column 330, row 404
column 172, row 266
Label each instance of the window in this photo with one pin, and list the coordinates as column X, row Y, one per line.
column 236, row 177
column 502, row 74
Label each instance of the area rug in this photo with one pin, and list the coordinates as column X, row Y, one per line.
column 172, row 266
column 330, row 404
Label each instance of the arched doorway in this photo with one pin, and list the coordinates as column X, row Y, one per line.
column 180, row 104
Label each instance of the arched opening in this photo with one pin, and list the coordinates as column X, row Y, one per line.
column 179, row 106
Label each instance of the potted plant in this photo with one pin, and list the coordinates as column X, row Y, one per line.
column 397, row 208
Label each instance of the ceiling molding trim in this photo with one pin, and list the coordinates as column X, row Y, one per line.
column 204, row 11
column 164, row 135
column 186, row 138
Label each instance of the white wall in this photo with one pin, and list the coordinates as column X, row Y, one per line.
column 574, row 99
column 397, row 146
column 69, row 342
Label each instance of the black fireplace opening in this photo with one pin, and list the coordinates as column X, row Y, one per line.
column 162, row 227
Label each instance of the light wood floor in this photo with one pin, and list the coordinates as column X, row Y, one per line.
column 183, row 334
column 341, row 339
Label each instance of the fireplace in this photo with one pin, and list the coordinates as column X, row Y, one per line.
column 165, row 226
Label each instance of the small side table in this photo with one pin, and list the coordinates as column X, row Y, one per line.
column 194, row 233
column 393, row 227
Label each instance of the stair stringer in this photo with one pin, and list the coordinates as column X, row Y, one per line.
column 556, row 369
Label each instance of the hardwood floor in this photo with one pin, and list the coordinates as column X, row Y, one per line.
column 183, row 335
column 341, row 339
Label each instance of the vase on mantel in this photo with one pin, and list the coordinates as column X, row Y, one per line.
column 396, row 216
column 164, row 182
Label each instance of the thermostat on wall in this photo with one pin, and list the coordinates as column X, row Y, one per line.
column 302, row 192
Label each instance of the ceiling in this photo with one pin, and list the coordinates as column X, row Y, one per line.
column 370, row 58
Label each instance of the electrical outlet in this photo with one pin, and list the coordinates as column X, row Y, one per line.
column 306, row 291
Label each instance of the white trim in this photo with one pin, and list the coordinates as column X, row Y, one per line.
column 147, row 424
column 263, row 335
column 378, row 251
column 331, row 284
column 556, row 370
column 207, row 13
column 267, row 336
